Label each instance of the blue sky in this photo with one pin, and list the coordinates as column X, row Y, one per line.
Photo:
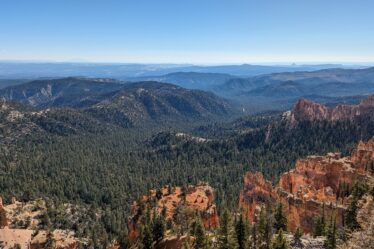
column 188, row 31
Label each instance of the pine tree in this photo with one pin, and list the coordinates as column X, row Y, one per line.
column 351, row 213
column 158, row 229
column 280, row 218
column 297, row 238
column 359, row 189
column 225, row 240
column 170, row 190
column 123, row 241
column 320, row 224
column 201, row 240
column 146, row 237
column 159, row 194
column 180, row 218
column 330, row 242
column 279, row 242
column 319, row 227
column 164, row 211
column 241, row 232
column 264, row 228
column 253, row 242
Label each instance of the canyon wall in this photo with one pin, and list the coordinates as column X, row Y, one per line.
column 308, row 110
column 317, row 185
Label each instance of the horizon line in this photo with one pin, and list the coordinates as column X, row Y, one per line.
column 269, row 63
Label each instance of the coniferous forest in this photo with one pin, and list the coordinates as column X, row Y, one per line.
column 105, row 172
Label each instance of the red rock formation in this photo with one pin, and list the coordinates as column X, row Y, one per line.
column 198, row 198
column 363, row 156
column 313, row 187
column 3, row 215
column 308, row 110
column 256, row 190
column 305, row 109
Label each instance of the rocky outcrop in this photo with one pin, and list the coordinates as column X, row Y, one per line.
column 307, row 242
column 308, row 110
column 363, row 156
column 318, row 184
column 173, row 200
column 61, row 240
column 22, row 227
column 256, row 190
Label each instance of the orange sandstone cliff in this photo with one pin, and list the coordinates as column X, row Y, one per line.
column 193, row 199
column 308, row 110
column 317, row 185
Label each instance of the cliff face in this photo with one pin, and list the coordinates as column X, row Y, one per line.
column 199, row 198
column 308, row 110
column 256, row 190
column 317, row 185
column 363, row 156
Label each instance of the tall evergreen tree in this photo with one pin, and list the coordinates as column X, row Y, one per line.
column 146, row 237
column 241, row 232
column 350, row 215
column 201, row 240
column 158, row 229
column 359, row 189
column 330, row 242
column 280, row 219
column 225, row 234
column 297, row 238
column 264, row 228
column 279, row 242
column 320, row 224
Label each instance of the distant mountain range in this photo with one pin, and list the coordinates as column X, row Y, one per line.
column 191, row 80
column 96, row 105
column 281, row 90
column 26, row 70
column 254, row 88
column 66, row 92
column 328, row 82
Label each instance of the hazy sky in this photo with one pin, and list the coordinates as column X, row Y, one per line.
column 188, row 31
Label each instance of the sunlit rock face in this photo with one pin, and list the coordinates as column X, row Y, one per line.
column 316, row 186
column 308, row 110
column 198, row 198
